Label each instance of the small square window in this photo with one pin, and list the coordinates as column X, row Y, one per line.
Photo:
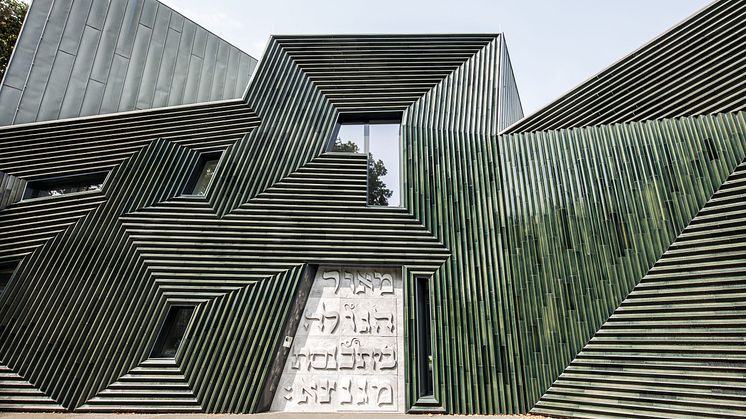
column 65, row 185
column 172, row 332
column 203, row 173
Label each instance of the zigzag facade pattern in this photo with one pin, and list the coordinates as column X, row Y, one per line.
column 589, row 211
column 694, row 68
column 674, row 347
column 531, row 239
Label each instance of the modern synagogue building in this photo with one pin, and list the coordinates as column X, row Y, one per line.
column 367, row 223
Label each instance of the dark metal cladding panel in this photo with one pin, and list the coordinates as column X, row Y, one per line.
column 73, row 99
column 112, row 32
column 24, row 52
column 85, row 57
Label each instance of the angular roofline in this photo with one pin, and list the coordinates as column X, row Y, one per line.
column 608, row 68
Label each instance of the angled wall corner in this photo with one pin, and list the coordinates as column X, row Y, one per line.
column 674, row 347
column 588, row 211
column 90, row 57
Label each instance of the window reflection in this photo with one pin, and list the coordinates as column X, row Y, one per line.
column 203, row 173
column 378, row 138
column 65, row 185
column 208, row 170
column 172, row 332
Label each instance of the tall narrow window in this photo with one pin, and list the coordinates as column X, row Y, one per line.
column 424, row 346
column 172, row 332
column 378, row 136
column 6, row 271
column 64, row 185
column 203, row 173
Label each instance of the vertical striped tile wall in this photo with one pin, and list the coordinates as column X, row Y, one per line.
column 588, row 211
column 674, row 347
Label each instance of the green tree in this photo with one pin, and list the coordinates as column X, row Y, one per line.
column 12, row 13
column 378, row 193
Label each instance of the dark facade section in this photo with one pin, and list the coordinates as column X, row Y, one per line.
column 588, row 211
column 89, row 57
column 693, row 69
column 674, row 347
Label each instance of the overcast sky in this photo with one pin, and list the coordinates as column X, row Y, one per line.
column 553, row 44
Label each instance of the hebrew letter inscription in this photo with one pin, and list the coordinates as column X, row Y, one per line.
column 346, row 354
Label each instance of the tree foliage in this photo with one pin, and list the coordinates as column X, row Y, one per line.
column 378, row 193
column 12, row 13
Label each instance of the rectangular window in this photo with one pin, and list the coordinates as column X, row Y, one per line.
column 6, row 271
column 203, row 173
column 172, row 332
column 378, row 136
column 64, row 185
column 424, row 351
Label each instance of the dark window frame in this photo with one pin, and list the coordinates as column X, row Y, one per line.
column 35, row 187
column 363, row 118
column 196, row 173
column 366, row 119
column 158, row 345
column 423, row 338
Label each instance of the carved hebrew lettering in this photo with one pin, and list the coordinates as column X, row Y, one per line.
column 386, row 358
column 364, row 282
column 324, row 391
column 386, row 283
column 387, row 319
column 388, row 395
column 345, row 354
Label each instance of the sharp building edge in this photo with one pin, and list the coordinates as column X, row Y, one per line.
column 694, row 68
column 529, row 232
column 90, row 57
column 674, row 347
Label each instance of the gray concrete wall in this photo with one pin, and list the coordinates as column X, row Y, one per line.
column 87, row 57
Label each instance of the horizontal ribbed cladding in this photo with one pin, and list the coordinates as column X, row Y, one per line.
column 697, row 67
column 11, row 189
column 317, row 214
column 18, row 395
column 156, row 385
column 80, row 311
column 589, row 210
column 297, row 124
column 229, row 350
column 308, row 217
column 451, row 184
column 674, row 348
column 48, row 149
column 379, row 72
column 26, row 225
column 466, row 99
